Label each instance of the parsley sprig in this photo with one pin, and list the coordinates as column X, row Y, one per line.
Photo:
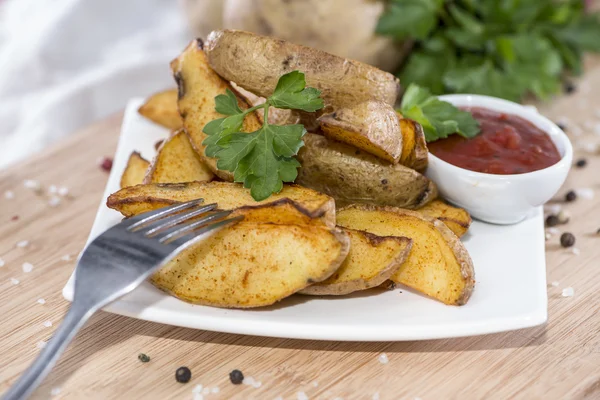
column 438, row 118
column 265, row 158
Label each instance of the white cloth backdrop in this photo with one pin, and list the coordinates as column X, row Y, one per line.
column 66, row 63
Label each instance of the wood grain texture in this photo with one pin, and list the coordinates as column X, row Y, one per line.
column 558, row 361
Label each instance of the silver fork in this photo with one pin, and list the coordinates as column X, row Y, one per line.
column 114, row 264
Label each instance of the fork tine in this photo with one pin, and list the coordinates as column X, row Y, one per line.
column 185, row 228
column 150, row 216
column 173, row 220
column 194, row 236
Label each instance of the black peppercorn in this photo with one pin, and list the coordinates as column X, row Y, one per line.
column 143, row 358
column 552, row 220
column 183, row 375
column 567, row 239
column 581, row 163
column 571, row 196
column 561, row 126
column 384, row 181
column 569, row 87
column 236, row 377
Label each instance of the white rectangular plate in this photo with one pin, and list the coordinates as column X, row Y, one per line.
column 510, row 292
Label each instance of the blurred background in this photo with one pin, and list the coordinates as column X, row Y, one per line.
column 67, row 63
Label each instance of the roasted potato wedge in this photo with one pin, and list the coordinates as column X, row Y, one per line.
column 277, row 116
column 137, row 199
column 353, row 176
column 438, row 265
column 253, row 264
column 177, row 161
column 414, row 147
column 162, row 108
column 371, row 261
column 135, row 170
column 257, row 62
column 198, row 86
column 455, row 218
column 372, row 126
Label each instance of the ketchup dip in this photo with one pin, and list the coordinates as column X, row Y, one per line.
column 506, row 145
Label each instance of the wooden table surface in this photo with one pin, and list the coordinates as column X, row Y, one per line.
column 560, row 360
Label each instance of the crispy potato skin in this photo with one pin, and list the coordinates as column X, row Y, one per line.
column 198, row 86
column 371, row 261
column 134, row 171
column 372, row 126
column 257, row 62
column 162, row 108
column 455, row 218
column 438, row 265
column 177, row 161
column 228, row 269
column 352, row 176
column 137, row 199
column 414, row 147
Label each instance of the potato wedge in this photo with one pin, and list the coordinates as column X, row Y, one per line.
column 142, row 198
column 277, row 116
column 352, row 176
column 134, row 171
column 414, row 147
column 162, row 108
column 257, row 62
column 372, row 126
column 253, row 264
column 455, row 218
column 176, row 162
column 371, row 261
column 438, row 265
column 198, row 86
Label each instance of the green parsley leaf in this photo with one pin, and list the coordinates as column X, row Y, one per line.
column 227, row 103
column 291, row 93
column 438, row 118
column 410, row 18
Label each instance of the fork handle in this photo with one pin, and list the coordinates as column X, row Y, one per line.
column 76, row 317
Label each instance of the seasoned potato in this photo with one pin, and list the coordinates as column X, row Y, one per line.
column 457, row 219
column 352, row 176
column 371, row 126
column 253, row 264
column 371, row 261
column 162, row 108
column 198, row 86
column 134, row 171
column 277, row 116
column 177, row 162
column 414, row 147
column 438, row 265
column 135, row 200
column 257, row 62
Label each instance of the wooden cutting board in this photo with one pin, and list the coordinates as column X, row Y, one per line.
column 557, row 361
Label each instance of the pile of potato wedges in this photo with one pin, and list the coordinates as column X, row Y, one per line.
column 360, row 216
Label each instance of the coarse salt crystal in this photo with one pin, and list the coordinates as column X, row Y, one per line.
column 41, row 344
column 588, row 147
column 206, row 390
column 1, row 262
column 27, row 267
column 383, row 358
column 585, row 193
column 257, row 384
column 198, row 396
column 548, row 236
column 41, row 301
column 553, row 208
column 63, row 191
column 52, row 189
column 315, row 384
column 48, row 324
column 54, row 201
column 376, row 396
column 9, row 194
column 197, row 389
column 32, row 184
column 23, row 243
column 597, row 129
column 66, row 257
column 278, row 398
column 568, row 292
column 55, row 391
column 14, row 281
column 553, row 231
column 555, row 283
column 301, row 396
column 215, row 390
column 575, row 251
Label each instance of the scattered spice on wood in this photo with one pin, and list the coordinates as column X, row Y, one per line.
column 106, row 163
column 236, row 377
column 582, row 162
column 143, row 358
column 567, row 239
column 552, row 220
column 563, row 217
column 569, row 87
column 183, row 375
column 571, row 196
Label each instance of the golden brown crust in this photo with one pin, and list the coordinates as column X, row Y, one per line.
column 161, row 108
column 134, row 171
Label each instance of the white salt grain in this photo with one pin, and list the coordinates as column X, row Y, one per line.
column 206, row 390
column 597, row 129
column 41, row 344
column 588, row 147
column 548, row 236
column 588, row 125
column 553, row 231
column 575, row 251
column 315, row 384
column 9, row 195
column 568, row 292
column 63, row 191
column 14, row 281
column 257, row 384
column 555, row 283
column 32, row 184
column 66, row 257
column 1, row 262
column 585, row 193
column 27, row 267
column 338, row 398
column 23, row 243
column 278, row 398
column 48, row 324
column 575, row 130
column 553, row 208
column 55, row 391
column 197, row 389
column 198, row 396
column 301, row 396
column 41, row 301
column 376, row 396
column 383, row 358
column 52, row 189
column 215, row 390
column 250, row 381
column 54, row 201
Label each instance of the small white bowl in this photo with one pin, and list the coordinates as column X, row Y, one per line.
column 502, row 199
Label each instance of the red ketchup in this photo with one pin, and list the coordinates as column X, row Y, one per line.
column 506, row 145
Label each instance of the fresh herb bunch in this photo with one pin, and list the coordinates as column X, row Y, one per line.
column 263, row 159
column 500, row 48
column 438, row 118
